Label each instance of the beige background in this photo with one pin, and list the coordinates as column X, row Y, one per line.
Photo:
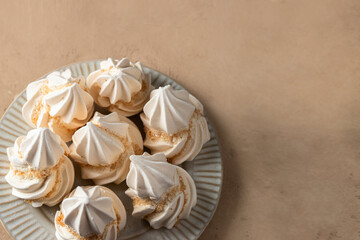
column 280, row 81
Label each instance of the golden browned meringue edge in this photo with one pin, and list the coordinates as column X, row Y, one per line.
column 136, row 150
column 40, row 174
column 157, row 135
column 60, row 221
column 168, row 197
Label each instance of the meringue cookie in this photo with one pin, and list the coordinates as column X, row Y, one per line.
column 90, row 212
column 120, row 86
column 103, row 147
column 174, row 124
column 58, row 102
column 162, row 193
column 40, row 172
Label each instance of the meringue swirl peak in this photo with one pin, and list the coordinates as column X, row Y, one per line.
column 120, row 86
column 174, row 124
column 150, row 175
column 58, row 102
column 40, row 171
column 103, row 147
column 162, row 193
column 90, row 212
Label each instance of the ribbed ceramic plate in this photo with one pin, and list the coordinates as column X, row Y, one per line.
column 25, row 222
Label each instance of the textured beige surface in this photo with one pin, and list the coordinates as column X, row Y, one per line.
column 279, row 79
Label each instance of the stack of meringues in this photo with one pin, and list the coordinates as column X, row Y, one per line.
column 108, row 148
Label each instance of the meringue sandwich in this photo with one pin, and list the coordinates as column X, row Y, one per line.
column 103, row 147
column 40, row 171
column 89, row 213
column 162, row 193
column 174, row 124
column 120, row 86
column 58, row 102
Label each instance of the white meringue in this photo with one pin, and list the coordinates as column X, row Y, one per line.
column 90, row 212
column 121, row 86
column 162, row 193
column 103, row 147
column 58, row 102
column 40, row 172
column 174, row 124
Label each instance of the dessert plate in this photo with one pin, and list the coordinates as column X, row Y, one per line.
column 22, row 221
